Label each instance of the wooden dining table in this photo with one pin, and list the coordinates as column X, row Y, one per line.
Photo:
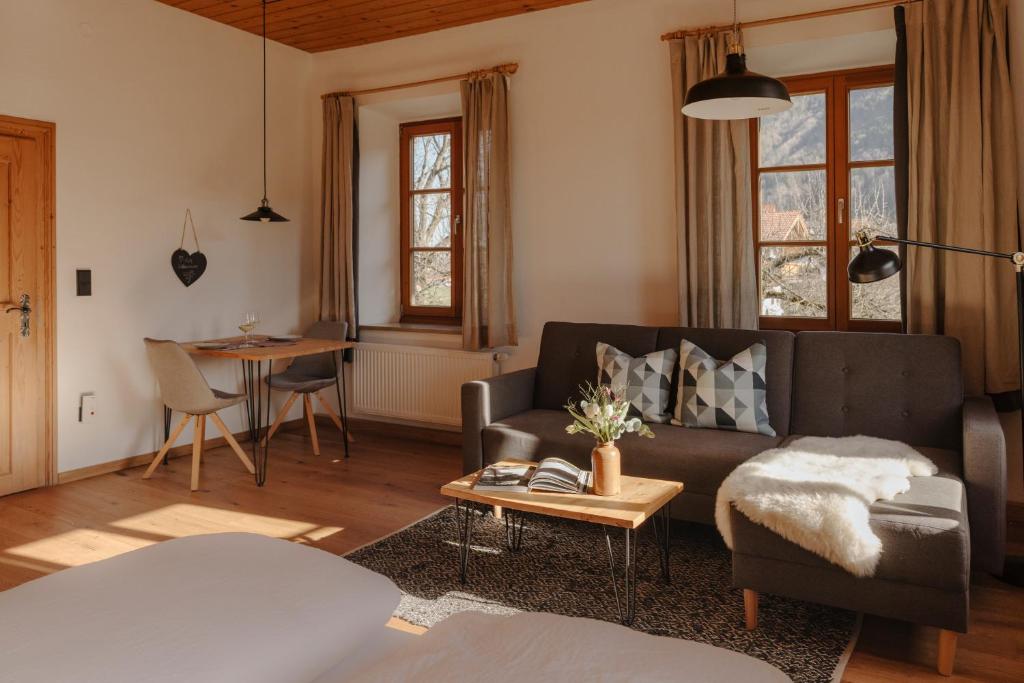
column 253, row 355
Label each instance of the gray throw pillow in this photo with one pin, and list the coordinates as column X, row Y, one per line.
column 730, row 394
column 646, row 381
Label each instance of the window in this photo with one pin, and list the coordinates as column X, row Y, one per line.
column 822, row 170
column 431, row 214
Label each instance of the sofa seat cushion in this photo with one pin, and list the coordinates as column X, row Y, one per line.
column 924, row 533
column 700, row 458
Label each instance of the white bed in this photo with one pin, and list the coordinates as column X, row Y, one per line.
column 473, row 646
column 222, row 608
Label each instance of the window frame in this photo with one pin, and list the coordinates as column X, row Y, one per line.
column 836, row 86
column 447, row 315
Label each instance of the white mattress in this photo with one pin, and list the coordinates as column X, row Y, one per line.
column 218, row 608
column 472, row 646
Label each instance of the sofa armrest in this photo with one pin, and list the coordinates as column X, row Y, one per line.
column 488, row 400
column 985, row 477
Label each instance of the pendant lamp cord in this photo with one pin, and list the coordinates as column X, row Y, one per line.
column 735, row 25
column 264, row 101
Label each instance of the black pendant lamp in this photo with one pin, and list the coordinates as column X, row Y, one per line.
column 264, row 213
column 736, row 93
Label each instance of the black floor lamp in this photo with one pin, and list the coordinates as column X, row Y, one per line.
column 871, row 264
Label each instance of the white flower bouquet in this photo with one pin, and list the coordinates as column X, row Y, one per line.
column 602, row 413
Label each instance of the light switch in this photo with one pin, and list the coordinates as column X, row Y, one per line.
column 83, row 282
column 87, row 408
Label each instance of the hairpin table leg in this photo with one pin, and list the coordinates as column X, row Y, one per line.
column 626, row 606
column 167, row 428
column 661, row 522
column 464, row 516
column 514, row 529
column 252, row 378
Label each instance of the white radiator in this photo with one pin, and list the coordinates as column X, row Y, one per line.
column 415, row 383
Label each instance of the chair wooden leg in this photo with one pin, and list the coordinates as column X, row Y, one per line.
column 750, row 608
column 166, row 447
column 498, row 512
column 230, row 438
column 947, row 652
column 311, row 419
column 281, row 415
column 331, row 414
column 197, row 449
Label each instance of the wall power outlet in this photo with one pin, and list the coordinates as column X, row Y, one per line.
column 87, row 407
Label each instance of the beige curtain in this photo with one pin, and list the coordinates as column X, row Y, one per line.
column 488, row 314
column 717, row 283
column 963, row 184
column 337, row 291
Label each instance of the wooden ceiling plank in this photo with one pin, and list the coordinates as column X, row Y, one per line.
column 236, row 16
column 315, row 16
column 418, row 11
column 411, row 9
column 352, row 39
column 319, row 25
column 199, row 6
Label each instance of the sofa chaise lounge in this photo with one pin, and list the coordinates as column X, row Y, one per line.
column 902, row 387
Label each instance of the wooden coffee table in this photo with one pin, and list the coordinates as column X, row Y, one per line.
column 641, row 499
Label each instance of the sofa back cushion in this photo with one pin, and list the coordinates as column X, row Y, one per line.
column 568, row 356
column 894, row 386
column 723, row 344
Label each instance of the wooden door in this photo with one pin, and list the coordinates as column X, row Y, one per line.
column 26, row 311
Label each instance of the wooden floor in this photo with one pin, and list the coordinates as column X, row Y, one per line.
column 388, row 483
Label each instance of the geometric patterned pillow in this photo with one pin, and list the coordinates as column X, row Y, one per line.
column 646, row 381
column 723, row 395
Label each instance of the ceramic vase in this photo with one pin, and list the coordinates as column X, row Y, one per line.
column 606, row 461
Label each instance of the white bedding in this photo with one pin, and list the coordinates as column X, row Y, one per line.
column 226, row 608
column 472, row 646
column 218, row 608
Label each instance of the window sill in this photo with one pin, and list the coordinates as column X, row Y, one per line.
column 414, row 327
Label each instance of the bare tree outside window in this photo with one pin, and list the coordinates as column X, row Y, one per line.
column 432, row 220
column 431, row 185
column 814, row 190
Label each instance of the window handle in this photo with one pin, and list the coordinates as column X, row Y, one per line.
column 842, row 207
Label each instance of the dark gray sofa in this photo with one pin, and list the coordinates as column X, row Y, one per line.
column 904, row 387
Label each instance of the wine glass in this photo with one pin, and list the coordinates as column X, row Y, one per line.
column 254, row 317
column 248, row 324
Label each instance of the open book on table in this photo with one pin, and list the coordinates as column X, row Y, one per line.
column 552, row 475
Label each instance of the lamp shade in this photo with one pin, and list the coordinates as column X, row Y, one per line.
column 871, row 264
column 736, row 94
column 265, row 214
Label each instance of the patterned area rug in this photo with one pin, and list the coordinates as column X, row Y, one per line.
column 562, row 567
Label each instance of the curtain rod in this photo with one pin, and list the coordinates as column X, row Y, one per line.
column 510, row 68
column 792, row 17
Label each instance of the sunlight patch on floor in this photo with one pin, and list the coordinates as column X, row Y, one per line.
column 81, row 546
column 186, row 519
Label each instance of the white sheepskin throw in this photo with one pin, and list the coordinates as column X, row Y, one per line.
column 817, row 491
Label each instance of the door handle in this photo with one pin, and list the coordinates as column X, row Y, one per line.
column 25, row 309
column 842, row 208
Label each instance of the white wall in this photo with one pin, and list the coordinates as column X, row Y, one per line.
column 591, row 120
column 157, row 110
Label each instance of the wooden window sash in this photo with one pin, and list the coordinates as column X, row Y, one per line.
column 836, row 87
column 448, row 315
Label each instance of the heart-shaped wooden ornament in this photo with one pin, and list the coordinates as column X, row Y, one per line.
column 188, row 267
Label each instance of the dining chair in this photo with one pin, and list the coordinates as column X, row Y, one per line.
column 307, row 376
column 183, row 388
